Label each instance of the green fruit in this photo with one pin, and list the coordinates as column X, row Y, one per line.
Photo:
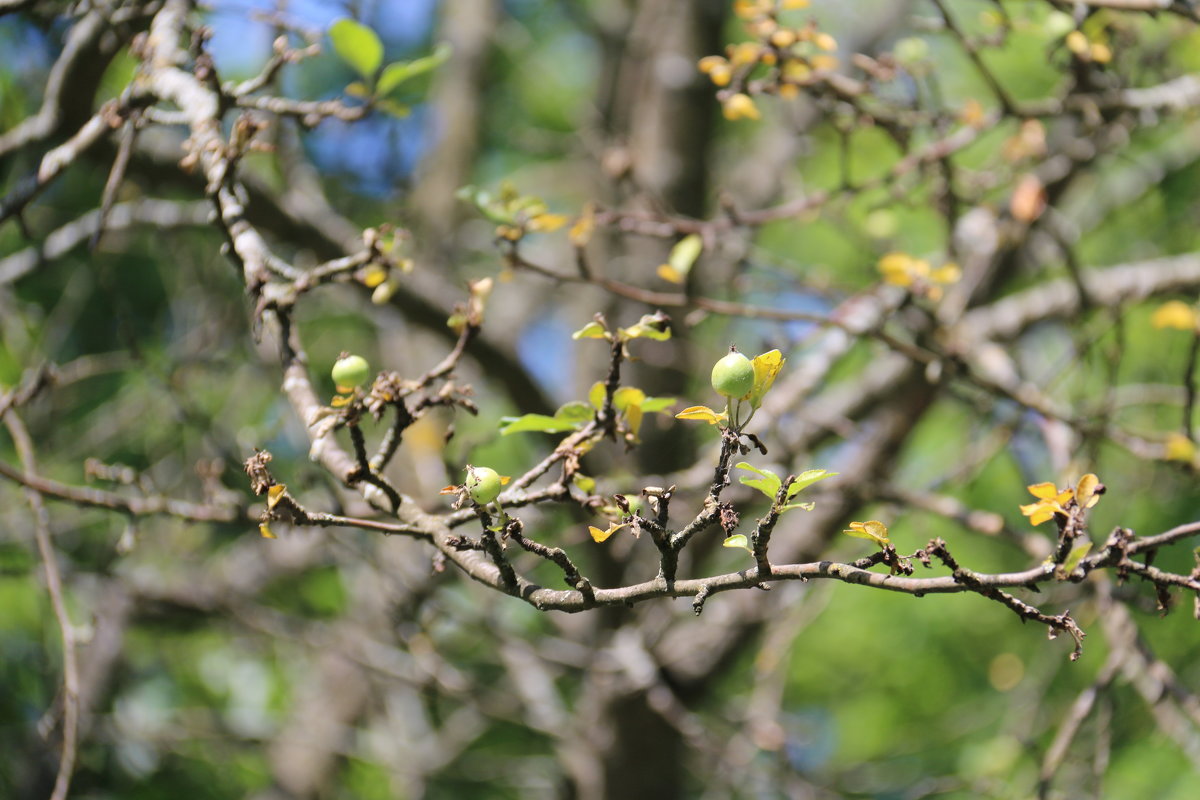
column 483, row 484
column 733, row 375
column 351, row 371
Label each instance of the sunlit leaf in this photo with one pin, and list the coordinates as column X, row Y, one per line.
column 628, row 396
column 535, row 422
column 1077, row 554
column 593, row 330
column 585, row 483
column 650, row 326
column 657, row 404
column 766, row 367
column 681, row 258
column 768, row 483
column 274, row 494
column 597, row 394
column 357, row 45
column 633, row 420
column 806, row 479
column 873, row 529
column 738, row 540
column 574, row 412
column 602, row 535
column 1175, row 314
column 398, row 72
column 264, row 530
column 1179, row 448
column 701, row 413
column 804, row 506
column 1085, row 491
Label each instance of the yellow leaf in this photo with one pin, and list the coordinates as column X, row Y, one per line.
column 504, row 480
column 342, row 399
column 1180, row 448
column 766, row 366
column 274, row 494
column 264, row 530
column 633, row 419
column 1175, row 314
column 873, row 529
column 669, row 273
column 897, row 269
column 1077, row 43
column 946, row 274
column 602, row 535
column 547, row 223
column 702, row 413
column 581, row 232
column 1085, row 491
column 1043, row 491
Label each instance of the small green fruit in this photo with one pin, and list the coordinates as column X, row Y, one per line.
column 733, row 375
column 351, row 371
column 483, row 484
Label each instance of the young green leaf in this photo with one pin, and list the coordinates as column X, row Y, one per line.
column 357, row 45
column 768, row 484
column 738, row 540
column 654, row 404
column 535, row 422
column 593, row 330
column 806, row 479
column 398, row 72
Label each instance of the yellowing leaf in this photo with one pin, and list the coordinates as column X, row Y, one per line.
column 628, row 396
column 274, row 494
column 547, row 223
column 342, row 399
column 581, row 232
column 374, row 276
column 633, row 419
column 597, row 394
column 702, row 413
column 1179, row 448
column 1175, row 314
column 602, row 535
column 585, row 483
column 264, row 530
column 766, row 367
column 1085, row 491
column 873, row 529
column 669, row 274
column 738, row 540
column 1043, row 491
column 683, row 256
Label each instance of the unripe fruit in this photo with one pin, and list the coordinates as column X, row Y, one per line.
column 483, row 484
column 351, row 371
column 733, row 375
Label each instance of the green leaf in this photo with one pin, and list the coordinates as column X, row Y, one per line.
column 574, row 412
column 657, row 404
column 806, row 479
column 535, row 422
column 398, row 72
column 584, row 483
column 397, row 110
column 650, row 326
column 768, row 484
column 1076, row 555
column 805, row 506
column 357, row 45
column 593, row 330
column 738, row 540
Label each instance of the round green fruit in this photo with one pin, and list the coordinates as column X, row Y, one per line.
column 483, row 484
column 733, row 375
column 351, row 371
